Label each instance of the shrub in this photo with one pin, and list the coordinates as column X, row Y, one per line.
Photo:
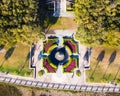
column 48, row 44
column 48, row 66
column 71, row 66
column 78, row 73
column 41, row 72
column 71, row 46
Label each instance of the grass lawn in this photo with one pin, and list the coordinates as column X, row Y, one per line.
column 15, row 60
column 54, row 23
column 105, row 65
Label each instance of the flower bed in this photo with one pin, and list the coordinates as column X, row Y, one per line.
column 71, row 46
column 48, row 44
column 71, row 66
column 48, row 66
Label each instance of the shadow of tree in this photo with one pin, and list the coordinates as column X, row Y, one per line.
column 24, row 64
column 111, row 60
column 44, row 16
column 28, row 56
column 8, row 55
column 99, row 59
column 112, row 57
column 101, row 56
column 117, row 73
column 108, row 77
column 1, row 47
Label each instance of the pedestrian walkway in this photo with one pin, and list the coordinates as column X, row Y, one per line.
column 83, row 87
column 68, row 33
column 65, row 14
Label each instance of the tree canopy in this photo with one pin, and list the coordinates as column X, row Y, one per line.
column 98, row 21
column 18, row 22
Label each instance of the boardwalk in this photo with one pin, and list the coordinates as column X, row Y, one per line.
column 84, row 87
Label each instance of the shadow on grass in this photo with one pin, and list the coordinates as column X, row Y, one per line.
column 101, row 56
column 1, row 47
column 108, row 77
column 112, row 57
column 7, row 55
column 117, row 73
column 24, row 64
column 111, row 60
column 99, row 59
column 49, row 21
column 28, row 56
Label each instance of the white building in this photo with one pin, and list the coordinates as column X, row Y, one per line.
column 59, row 7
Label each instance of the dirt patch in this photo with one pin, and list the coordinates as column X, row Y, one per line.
column 13, row 90
column 50, row 92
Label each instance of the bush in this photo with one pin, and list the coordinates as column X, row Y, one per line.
column 41, row 72
column 78, row 73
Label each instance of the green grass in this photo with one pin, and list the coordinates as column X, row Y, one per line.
column 104, row 71
column 17, row 63
column 70, row 9
column 53, row 23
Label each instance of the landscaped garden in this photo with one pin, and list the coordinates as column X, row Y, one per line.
column 65, row 55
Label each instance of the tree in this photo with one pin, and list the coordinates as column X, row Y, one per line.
column 18, row 22
column 98, row 21
column 41, row 72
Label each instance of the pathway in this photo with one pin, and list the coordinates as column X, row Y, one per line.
column 98, row 87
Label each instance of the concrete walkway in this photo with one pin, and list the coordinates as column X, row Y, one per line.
column 65, row 14
column 94, row 87
column 68, row 33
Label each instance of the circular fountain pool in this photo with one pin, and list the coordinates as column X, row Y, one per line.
column 59, row 55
